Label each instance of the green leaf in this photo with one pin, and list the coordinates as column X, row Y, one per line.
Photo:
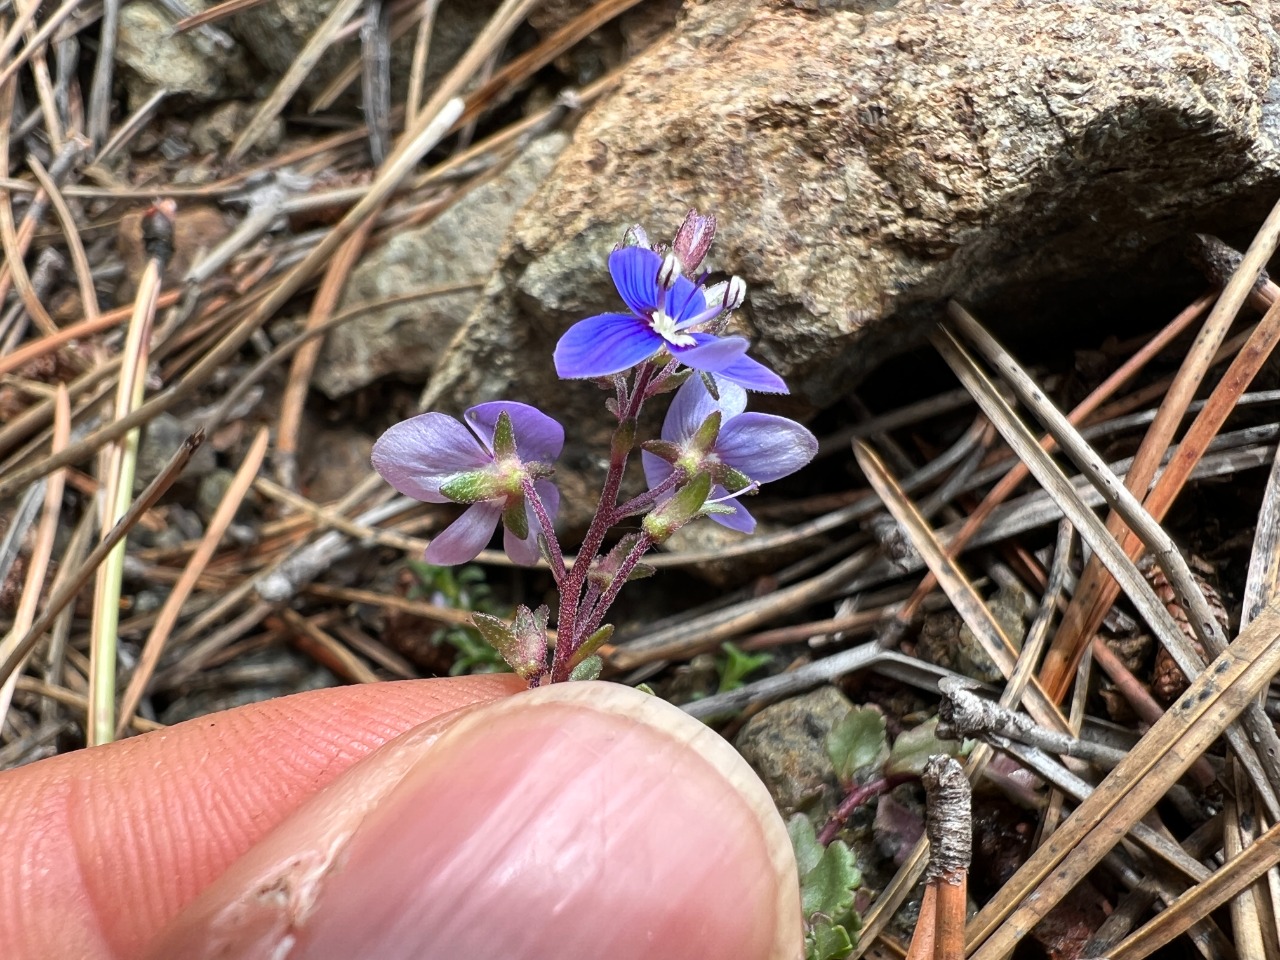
column 857, row 742
column 827, row 941
column 915, row 746
column 805, row 843
column 828, row 888
column 738, row 665
column 591, row 645
column 588, row 669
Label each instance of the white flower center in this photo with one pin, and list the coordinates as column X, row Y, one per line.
column 665, row 327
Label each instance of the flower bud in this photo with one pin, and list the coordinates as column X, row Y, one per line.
column 693, row 239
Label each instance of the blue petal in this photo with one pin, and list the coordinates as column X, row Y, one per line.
column 765, row 447
column 693, row 404
column 686, row 303
column 538, row 437
column 604, row 345
column 710, row 353
column 419, row 454
column 635, row 274
column 739, row 520
column 466, row 536
column 655, row 468
column 753, row 375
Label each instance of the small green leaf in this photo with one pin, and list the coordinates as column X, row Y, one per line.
column 857, row 742
column 591, row 645
column 738, row 665
column 828, row 888
column 827, row 941
column 805, row 843
column 588, row 669
column 913, row 747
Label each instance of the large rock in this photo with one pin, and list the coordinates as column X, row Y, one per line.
column 868, row 163
column 407, row 339
column 186, row 64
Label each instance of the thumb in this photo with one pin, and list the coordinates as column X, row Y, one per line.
column 578, row 820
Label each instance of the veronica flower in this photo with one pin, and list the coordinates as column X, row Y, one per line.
column 661, row 318
column 749, row 449
column 435, row 458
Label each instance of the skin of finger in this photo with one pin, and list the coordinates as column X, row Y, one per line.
column 577, row 820
column 103, row 847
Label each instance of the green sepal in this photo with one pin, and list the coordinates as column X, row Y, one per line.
column 624, row 438
column 588, row 669
column 591, row 645
column 664, row 449
column 641, row 571
column 733, row 480
column 496, row 631
column 523, row 644
column 686, row 505
column 472, row 487
column 504, row 438
column 704, row 440
column 515, row 518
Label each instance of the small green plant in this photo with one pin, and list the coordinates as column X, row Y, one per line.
column 463, row 588
column 735, row 665
column 828, row 877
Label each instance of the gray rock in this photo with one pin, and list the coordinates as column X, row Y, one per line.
column 868, row 163
column 184, row 64
column 787, row 745
column 408, row 339
column 216, row 130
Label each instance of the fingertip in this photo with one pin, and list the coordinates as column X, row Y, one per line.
column 576, row 820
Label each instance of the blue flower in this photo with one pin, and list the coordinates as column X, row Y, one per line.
column 758, row 446
column 660, row 319
column 434, row 458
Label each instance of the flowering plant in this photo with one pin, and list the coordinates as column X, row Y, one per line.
column 499, row 458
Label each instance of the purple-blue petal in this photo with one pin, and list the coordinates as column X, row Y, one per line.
column 765, row 447
column 753, row 375
column 635, row 274
column 419, row 454
column 466, row 536
column 656, row 469
column 740, row 520
column 604, row 345
column 710, row 353
column 693, row 404
column 685, row 302
column 538, row 437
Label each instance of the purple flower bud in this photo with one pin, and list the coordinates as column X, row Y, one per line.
column 693, row 239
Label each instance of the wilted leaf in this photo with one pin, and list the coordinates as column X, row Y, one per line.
column 913, row 747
